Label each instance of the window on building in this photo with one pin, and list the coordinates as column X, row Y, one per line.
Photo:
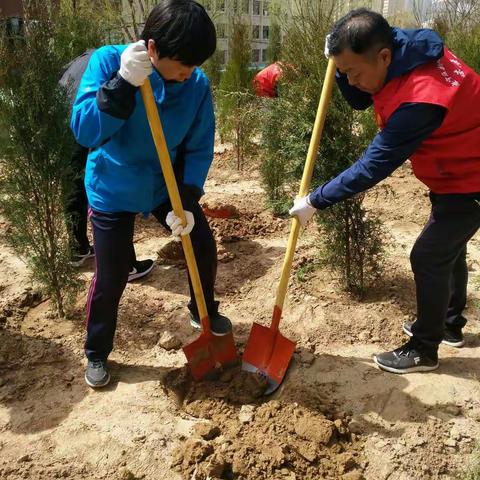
column 264, row 55
column 246, row 6
column 221, row 30
column 220, row 5
column 256, row 55
column 265, row 8
column 256, row 7
column 266, row 32
column 256, row 32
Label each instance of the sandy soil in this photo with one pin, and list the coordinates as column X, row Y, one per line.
column 335, row 417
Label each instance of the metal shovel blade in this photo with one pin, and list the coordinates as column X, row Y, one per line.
column 268, row 353
column 209, row 354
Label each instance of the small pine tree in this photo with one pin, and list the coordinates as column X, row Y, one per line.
column 274, row 43
column 352, row 240
column 213, row 69
column 36, row 175
column 236, row 102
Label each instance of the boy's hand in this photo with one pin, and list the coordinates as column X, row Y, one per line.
column 175, row 223
column 135, row 64
column 303, row 210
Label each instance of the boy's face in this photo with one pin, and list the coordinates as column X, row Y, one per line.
column 171, row 70
column 368, row 71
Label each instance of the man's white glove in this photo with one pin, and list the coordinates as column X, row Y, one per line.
column 302, row 209
column 135, row 64
column 175, row 223
column 327, row 51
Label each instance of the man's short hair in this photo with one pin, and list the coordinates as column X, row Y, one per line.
column 361, row 31
column 181, row 30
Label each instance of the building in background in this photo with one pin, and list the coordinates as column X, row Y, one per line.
column 255, row 12
column 11, row 13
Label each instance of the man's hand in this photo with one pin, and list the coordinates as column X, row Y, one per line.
column 135, row 64
column 175, row 223
column 302, row 209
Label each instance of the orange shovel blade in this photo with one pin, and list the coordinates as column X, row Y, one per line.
column 268, row 353
column 200, row 357
column 208, row 353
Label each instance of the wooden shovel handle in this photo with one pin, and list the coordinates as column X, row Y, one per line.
column 304, row 187
column 167, row 169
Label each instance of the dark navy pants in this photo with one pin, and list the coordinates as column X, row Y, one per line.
column 113, row 242
column 438, row 260
column 77, row 203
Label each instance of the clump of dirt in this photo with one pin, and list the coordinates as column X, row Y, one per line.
column 171, row 254
column 217, row 209
column 245, row 435
column 246, row 226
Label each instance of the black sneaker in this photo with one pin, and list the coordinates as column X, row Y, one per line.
column 96, row 374
column 219, row 324
column 406, row 359
column 140, row 269
column 79, row 259
column 452, row 336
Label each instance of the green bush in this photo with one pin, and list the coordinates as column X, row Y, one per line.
column 352, row 240
column 36, row 174
column 236, row 102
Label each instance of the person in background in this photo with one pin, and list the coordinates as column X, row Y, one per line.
column 77, row 203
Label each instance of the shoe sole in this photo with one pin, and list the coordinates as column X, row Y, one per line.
column 199, row 327
column 421, row 368
column 136, row 276
column 459, row 344
column 97, row 385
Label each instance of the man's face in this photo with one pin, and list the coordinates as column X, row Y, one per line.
column 171, row 70
column 367, row 71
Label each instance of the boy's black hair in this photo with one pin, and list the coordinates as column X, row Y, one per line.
column 181, row 30
column 362, row 31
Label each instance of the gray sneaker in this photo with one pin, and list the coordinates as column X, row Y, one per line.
column 96, row 374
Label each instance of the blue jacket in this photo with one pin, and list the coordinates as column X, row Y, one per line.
column 123, row 173
column 405, row 130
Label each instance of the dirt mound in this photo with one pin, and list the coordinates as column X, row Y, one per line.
column 246, row 226
column 217, row 209
column 171, row 254
column 244, row 435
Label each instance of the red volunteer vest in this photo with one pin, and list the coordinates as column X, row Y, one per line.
column 449, row 160
column 265, row 81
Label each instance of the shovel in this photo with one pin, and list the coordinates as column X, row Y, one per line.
column 268, row 352
column 208, row 352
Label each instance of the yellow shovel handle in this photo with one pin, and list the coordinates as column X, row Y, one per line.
column 306, row 178
column 167, row 169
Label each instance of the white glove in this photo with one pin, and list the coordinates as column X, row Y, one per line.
column 302, row 209
column 135, row 65
column 327, row 51
column 175, row 223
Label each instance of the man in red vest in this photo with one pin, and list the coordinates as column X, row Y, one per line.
column 265, row 82
column 427, row 103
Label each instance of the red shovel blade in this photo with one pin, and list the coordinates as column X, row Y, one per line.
column 268, row 353
column 209, row 353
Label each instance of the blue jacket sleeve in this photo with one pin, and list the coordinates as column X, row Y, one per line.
column 356, row 98
column 405, row 130
column 199, row 144
column 104, row 100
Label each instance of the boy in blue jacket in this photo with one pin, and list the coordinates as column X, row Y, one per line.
column 123, row 175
